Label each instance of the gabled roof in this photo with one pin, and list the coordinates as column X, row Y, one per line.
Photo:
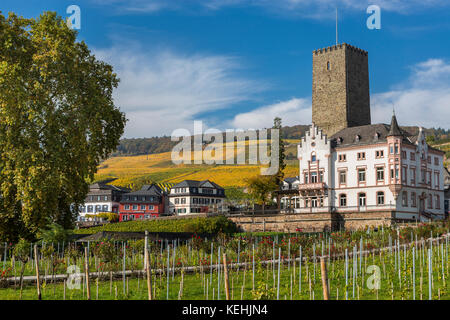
column 147, row 190
column 291, row 180
column 368, row 134
column 197, row 184
column 103, row 186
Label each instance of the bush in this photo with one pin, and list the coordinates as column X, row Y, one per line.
column 54, row 233
column 195, row 225
column 110, row 216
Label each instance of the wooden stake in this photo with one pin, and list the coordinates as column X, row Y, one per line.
column 38, row 283
column 149, row 276
column 225, row 273
column 323, row 268
column 146, row 249
column 86, row 267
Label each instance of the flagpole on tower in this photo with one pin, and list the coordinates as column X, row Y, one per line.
column 336, row 26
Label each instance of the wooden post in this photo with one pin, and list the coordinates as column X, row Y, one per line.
column 149, row 276
column 323, row 268
column 145, row 250
column 38, row 283
column 86, row 267
column 225, row 273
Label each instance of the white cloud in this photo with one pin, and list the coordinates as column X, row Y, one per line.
column 292, row 112
column 161, row 91
column 424, row 99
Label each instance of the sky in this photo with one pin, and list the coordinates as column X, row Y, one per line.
column 240, row 63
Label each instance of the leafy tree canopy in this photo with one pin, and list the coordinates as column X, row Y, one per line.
column 261, row 188
column 57, row 122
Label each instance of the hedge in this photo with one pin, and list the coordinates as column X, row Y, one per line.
column 210, row 225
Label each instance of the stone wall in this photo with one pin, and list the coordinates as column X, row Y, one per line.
column 358, row 96
column 312, row 222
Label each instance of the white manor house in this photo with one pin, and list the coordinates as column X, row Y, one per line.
column 369, row 168
column 348, row 165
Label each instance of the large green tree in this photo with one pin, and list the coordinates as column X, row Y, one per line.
column 57, row 122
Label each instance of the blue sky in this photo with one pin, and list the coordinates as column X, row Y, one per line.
column 240, row 63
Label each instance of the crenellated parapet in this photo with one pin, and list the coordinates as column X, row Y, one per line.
column 338, row 47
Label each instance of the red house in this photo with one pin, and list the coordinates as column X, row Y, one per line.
column 144, row 204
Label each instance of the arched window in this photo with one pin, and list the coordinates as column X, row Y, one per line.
column 343, row 200
column 380, row 197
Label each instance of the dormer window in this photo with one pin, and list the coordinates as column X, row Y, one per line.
column 339, row 140
column 358, row 137
column 376, row 136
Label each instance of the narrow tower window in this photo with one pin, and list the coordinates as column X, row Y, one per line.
column 328, row 65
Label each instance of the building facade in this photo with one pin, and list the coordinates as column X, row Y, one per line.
column 372, row 168
column 193, row 197
column 147, row 203
column 101, row 198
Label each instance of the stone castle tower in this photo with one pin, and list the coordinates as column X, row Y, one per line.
column 340, row 91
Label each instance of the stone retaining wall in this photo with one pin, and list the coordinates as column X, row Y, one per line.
column 312, row 222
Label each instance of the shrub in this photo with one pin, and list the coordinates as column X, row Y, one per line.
column 211, row 225
column 110, row 216
column 55, row 233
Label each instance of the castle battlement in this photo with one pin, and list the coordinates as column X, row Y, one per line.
column 340, row 46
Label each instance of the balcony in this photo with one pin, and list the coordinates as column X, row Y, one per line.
column 312, row 186
column 347, row 209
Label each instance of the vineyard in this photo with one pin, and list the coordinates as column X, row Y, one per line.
column 389, row 263
column 134, row 171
